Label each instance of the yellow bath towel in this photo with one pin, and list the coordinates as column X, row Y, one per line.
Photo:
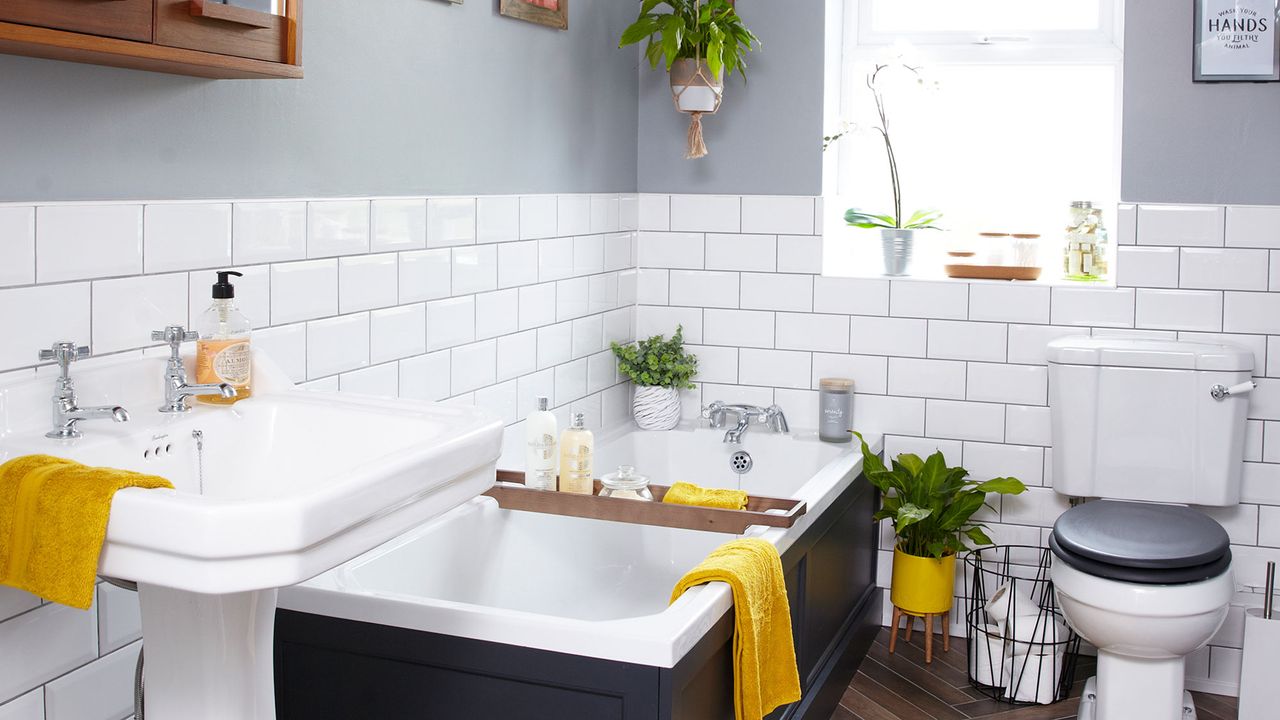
column 683, row 493
column 53, row 519
column 764, row 658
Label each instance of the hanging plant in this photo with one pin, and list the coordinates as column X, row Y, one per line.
column 700, row 43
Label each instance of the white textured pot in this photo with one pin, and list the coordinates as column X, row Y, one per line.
column 694, row 92
column 656, row 408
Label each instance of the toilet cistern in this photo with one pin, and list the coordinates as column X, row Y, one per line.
column 1160, row 423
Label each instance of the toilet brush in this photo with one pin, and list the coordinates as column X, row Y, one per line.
column 1259, row 693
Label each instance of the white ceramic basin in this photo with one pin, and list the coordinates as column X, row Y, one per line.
column 268, row 492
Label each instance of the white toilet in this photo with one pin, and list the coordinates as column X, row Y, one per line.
column 1147, row 427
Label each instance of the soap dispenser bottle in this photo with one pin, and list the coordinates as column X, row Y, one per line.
column 540, row 456
column 222, row 352
column 577, row 446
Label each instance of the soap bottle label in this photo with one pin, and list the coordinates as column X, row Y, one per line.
column 223, row 361
column 578, row 470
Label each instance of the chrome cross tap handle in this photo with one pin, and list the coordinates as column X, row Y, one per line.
column 66, row 411
column 176, row 389
column 175, row 335
column 65, row 353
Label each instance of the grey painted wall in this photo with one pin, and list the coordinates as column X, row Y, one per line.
column 767, row 136
column 400, row 97
column 1188, row 142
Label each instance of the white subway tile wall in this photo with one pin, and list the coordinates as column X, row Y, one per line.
column 495, row 300
column 488, row 301
column 960, row 366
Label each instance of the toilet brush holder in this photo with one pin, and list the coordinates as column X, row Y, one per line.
column 1260, row 658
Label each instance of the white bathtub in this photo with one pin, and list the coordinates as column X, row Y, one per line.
column 584, row 587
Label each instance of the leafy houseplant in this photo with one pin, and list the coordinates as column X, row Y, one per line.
column 897, row 233
column 931, row 507
column 700, row 43
column 660, row 368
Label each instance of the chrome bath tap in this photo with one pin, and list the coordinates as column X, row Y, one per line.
column 66, row 411
column 771, row 416
column 176, row 389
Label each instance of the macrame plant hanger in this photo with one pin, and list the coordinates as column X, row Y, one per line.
column 697, row 147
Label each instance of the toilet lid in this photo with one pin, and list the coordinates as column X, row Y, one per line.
column 1141, row 535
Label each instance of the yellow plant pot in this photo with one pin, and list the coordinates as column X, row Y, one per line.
column 922, row 585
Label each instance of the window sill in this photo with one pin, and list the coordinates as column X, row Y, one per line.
column 861, row 258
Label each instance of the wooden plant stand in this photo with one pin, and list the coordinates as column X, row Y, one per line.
column 899, row 613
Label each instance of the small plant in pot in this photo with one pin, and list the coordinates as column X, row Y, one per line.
column 660, row 369
column 897, row 233
column 700, row 42
column 931, row 507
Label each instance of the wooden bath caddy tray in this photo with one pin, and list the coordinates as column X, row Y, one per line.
column 993, row 272
column 511, row 494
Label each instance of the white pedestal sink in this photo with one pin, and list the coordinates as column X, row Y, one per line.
column 269, row 492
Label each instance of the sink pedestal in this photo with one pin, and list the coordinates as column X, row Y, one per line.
column 208, row 657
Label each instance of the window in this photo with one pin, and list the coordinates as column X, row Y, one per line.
column 1024, row 117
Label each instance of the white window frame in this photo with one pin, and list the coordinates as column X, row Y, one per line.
column 1107, row 37
column 860, row 46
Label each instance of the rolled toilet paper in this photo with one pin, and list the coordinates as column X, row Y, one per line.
column 1008, row 601
column 1035, row 634
column 1034, row 678
column 988, row 663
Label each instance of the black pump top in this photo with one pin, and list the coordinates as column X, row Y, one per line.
column 223, row 289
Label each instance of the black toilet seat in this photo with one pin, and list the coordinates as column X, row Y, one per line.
column 1141, row 543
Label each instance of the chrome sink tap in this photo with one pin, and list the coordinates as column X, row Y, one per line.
column 771, row 416
column 66, row 412
column 176, row 389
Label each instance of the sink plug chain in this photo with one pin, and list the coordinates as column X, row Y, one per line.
column 198, row 436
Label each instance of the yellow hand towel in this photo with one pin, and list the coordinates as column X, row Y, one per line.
column 53, row 519
column 683, row 493
column 764, row 658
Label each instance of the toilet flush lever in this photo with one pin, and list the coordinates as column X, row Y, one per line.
column 1220, row 391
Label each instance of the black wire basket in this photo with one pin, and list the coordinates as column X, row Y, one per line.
column 1020, row 649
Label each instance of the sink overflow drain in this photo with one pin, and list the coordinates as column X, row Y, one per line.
column 740, row 463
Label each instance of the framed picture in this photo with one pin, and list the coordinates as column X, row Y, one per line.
column 1236, row 41
column 552, row 13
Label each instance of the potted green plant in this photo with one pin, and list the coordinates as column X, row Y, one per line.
column 897, row 233
column 931, row 507
column 660, row 369
column 700, row 42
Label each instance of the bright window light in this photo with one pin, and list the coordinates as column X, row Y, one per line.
column 998, row 138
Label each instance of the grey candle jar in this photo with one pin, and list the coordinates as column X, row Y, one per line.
column 835, row 409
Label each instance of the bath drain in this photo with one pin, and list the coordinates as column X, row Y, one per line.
column 740, row 463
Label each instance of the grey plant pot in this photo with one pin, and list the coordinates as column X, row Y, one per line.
column 898, row 245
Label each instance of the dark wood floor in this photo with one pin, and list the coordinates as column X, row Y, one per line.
column 902, row 687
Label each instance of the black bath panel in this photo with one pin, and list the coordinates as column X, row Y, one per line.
column 335, row 669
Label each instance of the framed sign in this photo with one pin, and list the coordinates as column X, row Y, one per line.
column 552, row 13
column 1236, row 41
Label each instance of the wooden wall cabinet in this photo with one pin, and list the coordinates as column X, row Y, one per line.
column 203, row 38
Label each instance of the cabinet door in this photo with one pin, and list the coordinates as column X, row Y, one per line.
column 221, row 29
column 125, row 19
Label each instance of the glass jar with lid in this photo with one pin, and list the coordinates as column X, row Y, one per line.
column 1087, row 248
column 627, row 484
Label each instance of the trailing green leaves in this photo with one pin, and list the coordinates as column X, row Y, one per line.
column 685, row 29
column 931, row 505
column 658, row 361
